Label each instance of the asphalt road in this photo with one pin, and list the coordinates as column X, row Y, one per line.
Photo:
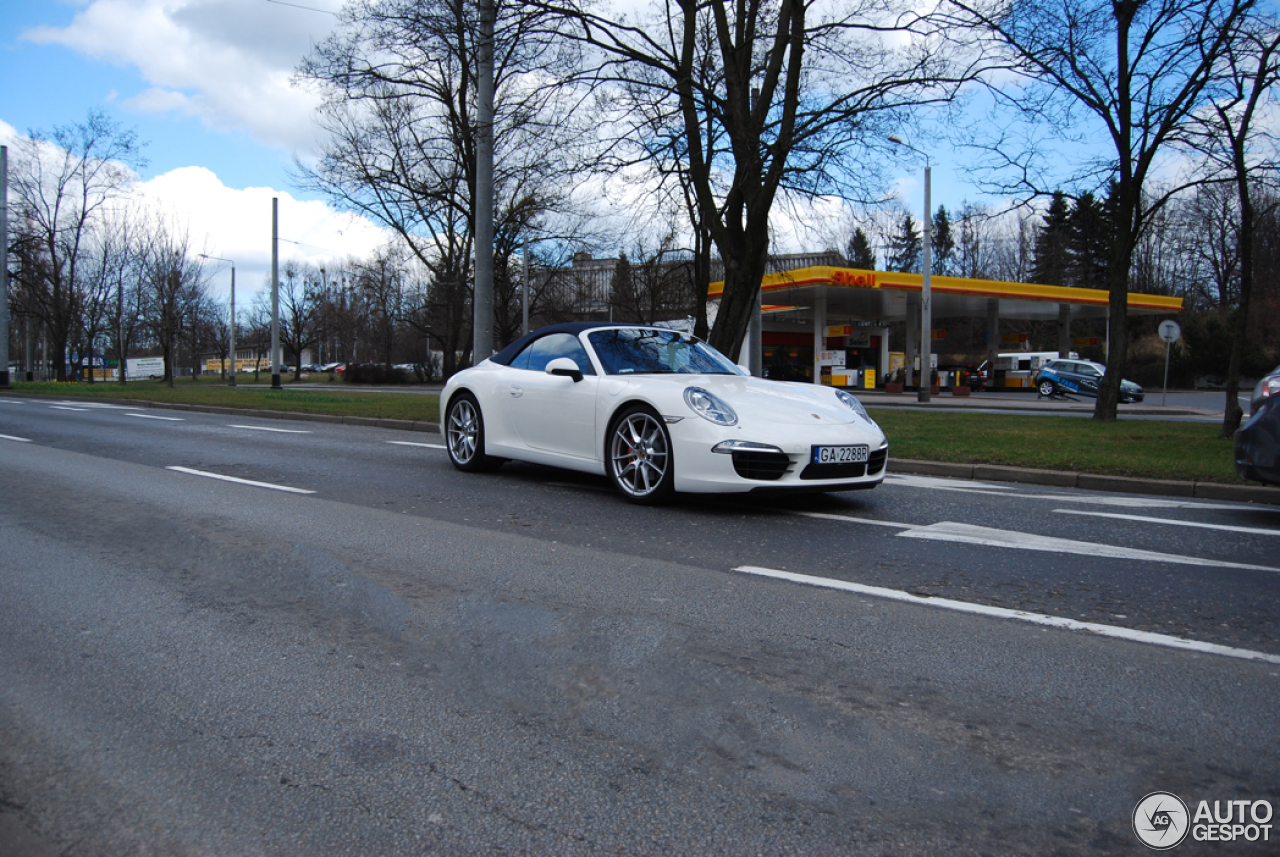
column 414, row 660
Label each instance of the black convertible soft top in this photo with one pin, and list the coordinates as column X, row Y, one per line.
column 506, row 355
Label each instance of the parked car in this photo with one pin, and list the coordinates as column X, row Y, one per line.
column 656, row 411
column 1081, row 378
column 1257, row 442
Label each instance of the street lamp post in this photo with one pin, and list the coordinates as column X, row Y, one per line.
column 926, row 289
column 232, row 381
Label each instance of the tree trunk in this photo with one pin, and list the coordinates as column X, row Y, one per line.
column 1232, row 412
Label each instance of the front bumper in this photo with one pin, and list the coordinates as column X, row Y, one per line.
column 699, row 470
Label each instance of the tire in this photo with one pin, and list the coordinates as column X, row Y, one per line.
column 638, row 457
column 1046, row 388
column 464, row 436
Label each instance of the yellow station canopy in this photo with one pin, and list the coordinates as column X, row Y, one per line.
column 855, row 293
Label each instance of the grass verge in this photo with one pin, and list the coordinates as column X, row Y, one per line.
column 1153, row 449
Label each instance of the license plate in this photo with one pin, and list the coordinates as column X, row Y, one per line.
column 840, row 454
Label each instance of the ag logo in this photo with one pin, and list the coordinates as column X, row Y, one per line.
column 1161, row 820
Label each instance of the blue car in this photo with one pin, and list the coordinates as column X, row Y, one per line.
column 1080, row 378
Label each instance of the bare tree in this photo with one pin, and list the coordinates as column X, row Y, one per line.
column 400, row 82
column 760, row 100
column 63, row 183
column 125, row 309
column 976, row 244
column 1139, row 70
column 173, row 284
column 657, row 286
column 1248, row 68
column 1209, row 225
column 301, row 312
column 382, row 281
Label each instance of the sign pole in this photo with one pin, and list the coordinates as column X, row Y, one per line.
column 1169, row 331
column 1164, row 395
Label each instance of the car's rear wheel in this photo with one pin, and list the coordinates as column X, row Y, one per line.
column 1046, row 388
column 640, row 461
column 464, row 435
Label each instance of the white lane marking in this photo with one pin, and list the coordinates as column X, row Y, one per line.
column 1139, row 502
column 1019, row 615
column 11, row 437
column 241, row 481
column 151, row 417
column 913, row 480
column 1256, row 531
column 62, row 408
column 851, row 520
column 950, row 531
column 12, row 402
column 411, row 443
column 265, row 428
column 85, row 405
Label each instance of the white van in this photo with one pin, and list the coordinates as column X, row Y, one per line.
column 144, row 367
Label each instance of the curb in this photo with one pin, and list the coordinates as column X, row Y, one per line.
column 1088, row 481
column 981, row 472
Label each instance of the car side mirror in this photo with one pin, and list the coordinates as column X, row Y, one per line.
column 565, row 368
column 746, row 370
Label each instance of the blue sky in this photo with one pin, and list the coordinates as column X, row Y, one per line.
column 207, row 84
column 68, row 64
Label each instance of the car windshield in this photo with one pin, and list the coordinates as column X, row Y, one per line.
column 629, row 350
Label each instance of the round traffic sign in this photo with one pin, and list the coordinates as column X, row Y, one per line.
column 1169, row 331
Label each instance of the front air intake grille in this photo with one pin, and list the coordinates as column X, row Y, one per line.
column 761, row 465
column 853, row 470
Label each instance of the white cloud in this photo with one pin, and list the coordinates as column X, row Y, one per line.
column 236, row 224
column 229, row 62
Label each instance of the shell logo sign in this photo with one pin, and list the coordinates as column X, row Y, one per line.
column 866, row 279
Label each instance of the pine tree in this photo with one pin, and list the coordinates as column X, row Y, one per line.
column 1091, row 234
column 905, row 247
column 1052, row 266
column 943, row 242
column 859, row 252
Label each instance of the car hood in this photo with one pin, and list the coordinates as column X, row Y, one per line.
column 753, row 399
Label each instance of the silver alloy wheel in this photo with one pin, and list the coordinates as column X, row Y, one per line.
column 1046, row 388
column 638, row 454
column 464, row 431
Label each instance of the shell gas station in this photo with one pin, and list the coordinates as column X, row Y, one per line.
column 832, row 325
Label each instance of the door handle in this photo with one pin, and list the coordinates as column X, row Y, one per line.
column 516, row 392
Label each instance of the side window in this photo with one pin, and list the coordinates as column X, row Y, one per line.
column 548, row 348
column 522, row 359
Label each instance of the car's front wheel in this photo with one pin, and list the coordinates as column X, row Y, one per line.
column 464, row 435
column 1046, row 388
column 640, row 461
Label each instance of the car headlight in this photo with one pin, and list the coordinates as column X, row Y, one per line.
column 709, row 406
column 853, row 404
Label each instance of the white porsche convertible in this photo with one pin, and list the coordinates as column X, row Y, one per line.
column 657, row 411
